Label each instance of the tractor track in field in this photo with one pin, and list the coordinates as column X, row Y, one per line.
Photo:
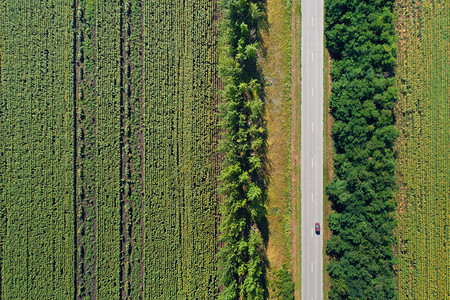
column 132, row 151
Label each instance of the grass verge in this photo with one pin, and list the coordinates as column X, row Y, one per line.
column 296, row 143
column 276, row 66
column 328, row 165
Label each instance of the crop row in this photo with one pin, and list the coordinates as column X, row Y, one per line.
column 37, row 162
column 162, row 220
column 180, row 139
column 423, row 115
column 3, row 177
column 108, row 137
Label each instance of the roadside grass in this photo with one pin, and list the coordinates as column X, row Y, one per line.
column 276, row 66
column 296, row 19
column 328, row 164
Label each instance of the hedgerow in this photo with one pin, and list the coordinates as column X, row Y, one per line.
column 243, row 146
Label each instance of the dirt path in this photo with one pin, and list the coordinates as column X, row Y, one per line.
column 295, row 143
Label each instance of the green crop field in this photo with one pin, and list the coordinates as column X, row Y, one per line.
column 108, row 161
column 423, row 114
column 145, row 149
column 37, row 121
column 180, row 141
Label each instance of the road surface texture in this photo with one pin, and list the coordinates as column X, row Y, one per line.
column 312, row 148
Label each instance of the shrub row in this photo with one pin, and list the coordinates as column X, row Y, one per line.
column 361, row 40
column 243, row 147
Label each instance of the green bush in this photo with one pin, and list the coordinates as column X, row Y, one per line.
column 284, row 284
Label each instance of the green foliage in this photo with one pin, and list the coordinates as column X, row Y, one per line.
column 284, row 285
column 361, row 40
column 108, row 120
column 243, row 147
column 132, row 155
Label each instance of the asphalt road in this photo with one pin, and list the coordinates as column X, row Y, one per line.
column 312, row 148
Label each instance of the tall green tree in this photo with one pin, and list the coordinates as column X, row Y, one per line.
column 243, row 147
column 361, row 40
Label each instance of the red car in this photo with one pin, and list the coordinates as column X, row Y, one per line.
column 317, row 227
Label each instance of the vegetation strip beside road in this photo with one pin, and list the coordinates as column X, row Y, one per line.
column 275, row 62
column 328, row 164
column 244, row 185
column 295, row 159
column 361, row 40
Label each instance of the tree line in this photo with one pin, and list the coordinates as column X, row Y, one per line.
column 361, row 40
column 243, row 146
